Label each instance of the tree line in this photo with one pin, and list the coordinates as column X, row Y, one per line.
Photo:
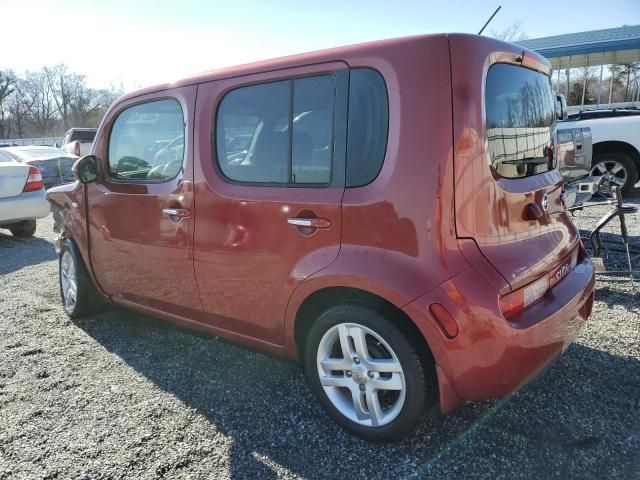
column 622, row 81
column 49, row 101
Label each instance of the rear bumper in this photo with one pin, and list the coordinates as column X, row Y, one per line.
column 26, row 206
column 492, row 357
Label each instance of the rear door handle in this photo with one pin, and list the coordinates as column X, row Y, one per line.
column 177, row 212
column 309, row 222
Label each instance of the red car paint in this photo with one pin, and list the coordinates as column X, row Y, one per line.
column 435, row 227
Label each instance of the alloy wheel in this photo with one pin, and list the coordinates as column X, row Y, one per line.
column 615, row 171
column 361, row 374
column 68, row 281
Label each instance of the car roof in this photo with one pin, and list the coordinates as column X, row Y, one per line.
column 37, row 152
column 346, row 53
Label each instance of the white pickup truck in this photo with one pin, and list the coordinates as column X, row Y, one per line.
column 616, row 143
column 78, row 141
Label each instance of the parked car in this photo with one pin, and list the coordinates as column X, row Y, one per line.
column 54, row 165
column 22, row 197
column 616, row 142
column 376, row 226
column 574, row 151
column 78, row 141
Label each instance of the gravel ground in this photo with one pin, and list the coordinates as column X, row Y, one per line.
column 122, row 395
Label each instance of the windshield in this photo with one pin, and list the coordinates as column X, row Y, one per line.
column 520, row 115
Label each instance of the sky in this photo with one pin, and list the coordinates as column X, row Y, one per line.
column 137, row 43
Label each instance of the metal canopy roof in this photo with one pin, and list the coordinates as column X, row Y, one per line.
column 608, row 46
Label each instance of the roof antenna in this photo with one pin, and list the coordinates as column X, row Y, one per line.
column 490, row 18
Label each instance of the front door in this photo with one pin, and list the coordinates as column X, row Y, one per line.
column 269, row 183
column 140, row 212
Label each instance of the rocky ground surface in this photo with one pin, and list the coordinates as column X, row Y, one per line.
column 121, row 395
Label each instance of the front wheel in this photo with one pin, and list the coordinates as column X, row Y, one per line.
column 79, row 297
column 621, row 170
column 366, row 374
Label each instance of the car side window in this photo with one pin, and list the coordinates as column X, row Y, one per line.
column 368, row 126
column 312, row 139
column 146, row 144
column 278, row 133
column 251, row 146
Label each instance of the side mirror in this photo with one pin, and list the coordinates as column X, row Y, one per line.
column 86, row 169
column 56, row 145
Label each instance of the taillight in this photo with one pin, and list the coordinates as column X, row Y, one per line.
column 77, row 148
column 515, row 302
column 34, row 180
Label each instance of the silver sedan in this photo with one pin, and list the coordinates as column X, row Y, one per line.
column 22, row 197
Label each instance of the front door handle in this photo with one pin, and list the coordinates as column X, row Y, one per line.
column 309, row 222
column 177, row 212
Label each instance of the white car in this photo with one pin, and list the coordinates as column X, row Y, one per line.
column 22, row 197
column 78, row 141
column 616, row 142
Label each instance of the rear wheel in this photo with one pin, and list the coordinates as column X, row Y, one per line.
column 79, row 296
column 24, row 229
column 367, row 374
column 621, row 169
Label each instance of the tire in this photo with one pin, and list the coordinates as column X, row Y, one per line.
column 343, row 386
column 23, row 229
column 622, row 166
column 72, row 270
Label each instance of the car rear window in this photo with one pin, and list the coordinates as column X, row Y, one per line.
column 520, row 116
column 5, row 158
column 54, row 167
column 84, row 136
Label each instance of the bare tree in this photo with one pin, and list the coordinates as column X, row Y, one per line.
column 49, row 101
column 85, row 103
column 629, row 73
column 7, row 82
column 40, row 102
column 513, row 33
column 585, row 79
column 61, row 84
column 18, row 111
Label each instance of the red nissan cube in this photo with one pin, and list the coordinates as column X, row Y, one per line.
column 388, row 213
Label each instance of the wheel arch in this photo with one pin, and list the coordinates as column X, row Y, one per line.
column 617, row 146
column 321, row 299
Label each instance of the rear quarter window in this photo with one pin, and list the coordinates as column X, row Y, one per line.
column 520, row 117
column 368, row 126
